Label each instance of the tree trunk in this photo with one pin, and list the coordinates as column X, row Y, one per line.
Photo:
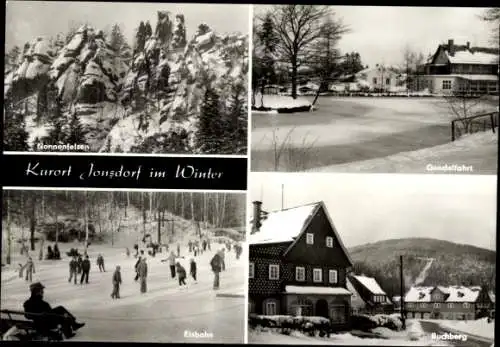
column 223, row 210
column 143, row 214
column 159, row 224
column 57, row 222
column 32, row 222
column 9, row 235
column 86, row 221
column 294, row 74
column 183, row 206
column 192, row 207
column 128, row 203
column 151, row 205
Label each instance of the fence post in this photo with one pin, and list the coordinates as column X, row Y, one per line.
column 492, row 122
column 452, row 130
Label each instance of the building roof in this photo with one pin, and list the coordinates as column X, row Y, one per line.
column 492, row 78
column 284, row 225
column 316, row 290
column 470, row 57
column 453, row 293
column 371, row 284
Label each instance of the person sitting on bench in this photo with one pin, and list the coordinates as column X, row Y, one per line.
column 47, row 318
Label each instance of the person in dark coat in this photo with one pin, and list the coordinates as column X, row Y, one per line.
column 222, row 253
column 192, row 269
column 79, row 263
column 215, row 263
column 142, row 271
column 45, row 317
column 85, row 270
column 73, row 269
column 190, row 246
column 57, row 254
column 181, row 273
column 50, row 254
column 100, row 263
column 117, row 281
column 178, row 250
column 137, row 264
column 204, row 245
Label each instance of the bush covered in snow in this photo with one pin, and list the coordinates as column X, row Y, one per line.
column 313, row 326
column 366, row 322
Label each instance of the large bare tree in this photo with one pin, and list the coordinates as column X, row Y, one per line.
column 297, row 28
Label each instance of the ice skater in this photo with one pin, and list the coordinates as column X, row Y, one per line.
column 85, row 270
column 100, row 263
column 181, row 274
column 142, row 271
column 73, row 269
column 29, row 267
column 117, row 281
column 215, row 263
column 192, row 270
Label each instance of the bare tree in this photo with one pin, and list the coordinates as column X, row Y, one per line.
column 493, row 15
column 9, row 232
column 297, row 27
column 411, row 62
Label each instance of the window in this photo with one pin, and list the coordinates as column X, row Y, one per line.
column 251, row 270
column 317, row 275
column 387, row 81
column 332, row 276
column 271, row 309
column 300, row 273
column 409, row 305
column 466, row 305
column 329, row 242
column 423, row 304
column 374, row 80
column 450, row 305
column 437, row 305
column 446, row 85
column 309, row 238
column 274, row 272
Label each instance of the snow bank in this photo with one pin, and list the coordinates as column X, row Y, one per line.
column 276, row 102
column 479, row 327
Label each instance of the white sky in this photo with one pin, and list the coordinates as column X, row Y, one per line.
column 375, row 207
column 381, row 33
column 25, row 20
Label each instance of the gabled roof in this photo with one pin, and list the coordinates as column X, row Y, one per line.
column 464, row 55
column 370, row 283
column 453, row 293
column 288, row 225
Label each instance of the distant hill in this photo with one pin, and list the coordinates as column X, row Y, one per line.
column 454, row 263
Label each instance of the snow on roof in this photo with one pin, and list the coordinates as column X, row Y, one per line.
column 493, row 78
column 455, row 293
column 283, row 226
column 316, row 290
column 419, row 294
column 371, row 284
column 467, row 57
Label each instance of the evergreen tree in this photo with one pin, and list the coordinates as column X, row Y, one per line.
column 203, row 29
column 15, row 135
column 163, row 30
column 238, row 122
column 268, row 39
column 140, row 37
column 76, row 132
column 12, row 57
column 210, row 128
column 148, row 30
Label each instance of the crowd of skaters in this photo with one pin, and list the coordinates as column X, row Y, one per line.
column 80, row 264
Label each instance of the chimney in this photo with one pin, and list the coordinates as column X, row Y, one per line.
column 468, row 45
column 451, row 47
column 257, row 213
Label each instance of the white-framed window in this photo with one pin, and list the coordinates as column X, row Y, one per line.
column 310, row 238
column 450, row 305
column 375, row 80
column 317, row 275
column 251, row 270
column 409, row 304
column 300, row 273
column 466, row 305
column 274, row 272
column 387, row 81
column 332, row 276
column 437, row 305
column 446, row 85
column 329, row 242
column 271, row 308
column 423, row 304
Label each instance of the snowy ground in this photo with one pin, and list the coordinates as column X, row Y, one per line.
column 280, row 101
column 479, row 327
column 413, row 336
column 347, row 130
column 164, row 314
column 479, row 150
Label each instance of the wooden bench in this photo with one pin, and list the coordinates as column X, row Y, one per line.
column 13, row 324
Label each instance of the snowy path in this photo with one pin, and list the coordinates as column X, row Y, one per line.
column 163, row 314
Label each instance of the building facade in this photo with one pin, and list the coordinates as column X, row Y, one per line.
column 462, row 68
column 373, row 298
column 298, row 265
column 453, row 302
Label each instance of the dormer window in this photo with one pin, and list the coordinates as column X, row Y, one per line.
column 329, row 242
column 310, row 238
